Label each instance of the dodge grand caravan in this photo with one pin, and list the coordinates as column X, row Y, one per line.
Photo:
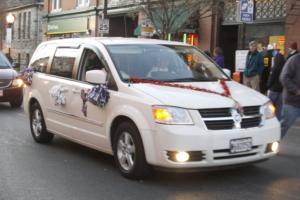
column 162, row 104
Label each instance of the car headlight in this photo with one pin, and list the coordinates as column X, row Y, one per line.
column 268, row 110
column 17, row 82
column 171, row 115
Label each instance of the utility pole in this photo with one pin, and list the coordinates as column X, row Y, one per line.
column 103, row 15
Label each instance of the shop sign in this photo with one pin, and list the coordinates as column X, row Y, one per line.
column 74, row 25
column 147, row 27
column 246, row 10
column 240, row 60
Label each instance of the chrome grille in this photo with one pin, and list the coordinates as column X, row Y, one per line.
column 223, row 119
column 4, row 83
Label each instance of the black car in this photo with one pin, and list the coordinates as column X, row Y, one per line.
column 11, row 87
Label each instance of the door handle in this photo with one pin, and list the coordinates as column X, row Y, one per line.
column 76, row 91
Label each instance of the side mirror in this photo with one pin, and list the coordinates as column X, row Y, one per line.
column 96, row 76
column 227, row 72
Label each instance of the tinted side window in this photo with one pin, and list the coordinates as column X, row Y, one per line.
column 63, row 62
column 40, row 58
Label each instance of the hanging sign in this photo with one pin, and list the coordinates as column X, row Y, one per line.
column 246, row 10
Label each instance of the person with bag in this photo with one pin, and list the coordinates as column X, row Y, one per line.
column 254, row 67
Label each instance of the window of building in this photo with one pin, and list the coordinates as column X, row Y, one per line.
column 63, row 62
column 27, row 59
column 83, row 3
column 56, row 5
column 19, row 25
column 24, row 25
column 29, row 25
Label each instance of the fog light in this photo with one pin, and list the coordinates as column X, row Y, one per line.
column 182, row 156
column 275, row 146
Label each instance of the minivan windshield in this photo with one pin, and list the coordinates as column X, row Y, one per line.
column 168, row 63
column 4, row 63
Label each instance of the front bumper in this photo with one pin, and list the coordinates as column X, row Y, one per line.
column 11, row 93
column 213, row 145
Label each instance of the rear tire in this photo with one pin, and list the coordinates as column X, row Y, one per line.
column 129, row 152
column 37, row 125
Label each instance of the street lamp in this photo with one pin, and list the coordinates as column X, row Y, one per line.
column 10, row 19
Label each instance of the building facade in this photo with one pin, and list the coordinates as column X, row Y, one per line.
column 81, row 18
column 275, row 22
column 26, row 29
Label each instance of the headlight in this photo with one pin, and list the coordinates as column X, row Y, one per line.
column 171, row 115
column 268, row 110
column 17, row 83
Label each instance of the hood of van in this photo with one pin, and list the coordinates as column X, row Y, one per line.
column 7, row 74
column 191, row 99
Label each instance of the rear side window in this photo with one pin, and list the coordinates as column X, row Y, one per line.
column 63, row 62
column 40, row 58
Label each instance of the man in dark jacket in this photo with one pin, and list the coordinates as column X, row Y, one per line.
column 290, row 79
column 274, row 84
column 254, row 67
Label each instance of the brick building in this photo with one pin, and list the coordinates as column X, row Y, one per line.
column 26, row 29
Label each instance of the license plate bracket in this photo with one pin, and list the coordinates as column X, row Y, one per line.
column 240, row 145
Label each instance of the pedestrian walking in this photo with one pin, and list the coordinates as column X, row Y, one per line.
column 274, row 85
column 254, row 67
column 293, row 50
column 219, row 57
column 290, row 79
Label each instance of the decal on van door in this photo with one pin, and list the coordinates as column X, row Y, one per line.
column 57, row 94
column 98, row 96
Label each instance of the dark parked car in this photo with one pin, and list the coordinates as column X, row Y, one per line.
column 11, row 87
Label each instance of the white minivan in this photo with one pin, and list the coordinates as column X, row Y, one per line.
column 149, row 103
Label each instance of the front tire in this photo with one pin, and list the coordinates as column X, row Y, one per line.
column 38, row 126
column 129, row 152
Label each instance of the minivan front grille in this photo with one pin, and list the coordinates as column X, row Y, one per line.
column 219, row 124
column 5, row 83
column 251, row 122
column 251, row 110
column 218, row 112
column 223, row 119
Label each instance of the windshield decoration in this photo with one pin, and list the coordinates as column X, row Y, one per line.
column 226, row 92
column 57, row 94
column 27, row 75
column 98, row 96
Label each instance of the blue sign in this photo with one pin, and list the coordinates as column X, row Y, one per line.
column 246, row 10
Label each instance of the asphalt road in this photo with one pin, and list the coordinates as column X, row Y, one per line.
column 67, row 171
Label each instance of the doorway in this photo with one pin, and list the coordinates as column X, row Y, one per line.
column 228, row 41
